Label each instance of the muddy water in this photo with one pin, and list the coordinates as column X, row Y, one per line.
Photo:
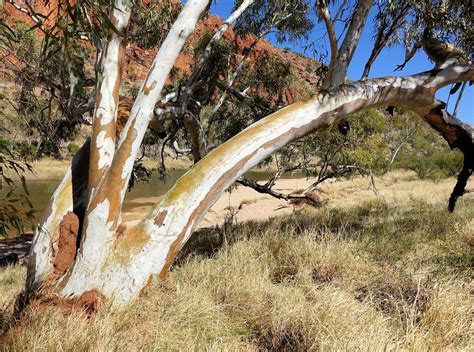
column 41, row 190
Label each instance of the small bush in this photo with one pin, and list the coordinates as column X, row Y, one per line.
column 438, row 165
column 72, row 148
column 4, row 144
column 49, row 148
column 26, row 151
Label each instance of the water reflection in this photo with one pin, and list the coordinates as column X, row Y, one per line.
column 41, row 190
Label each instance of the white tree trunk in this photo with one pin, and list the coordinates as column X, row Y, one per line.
column 133, row 256
column 103, row 215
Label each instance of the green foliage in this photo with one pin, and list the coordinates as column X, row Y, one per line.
column 4, row 144
column 434, row 166
column 365, row 145
column 28, row 43
column 271, row 74
column 288, row 19
column 233, row 118
column 151, row 22
column 15, row 208
column 218, row 61
column 52, row 64
column 72, row 148
column 329, row 153
column 49, row 148
column 375, row 143
column 26, row 151
column 423, row 150
column 7, row 35
column 451, row 20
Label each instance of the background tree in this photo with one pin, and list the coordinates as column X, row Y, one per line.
column 16, row 210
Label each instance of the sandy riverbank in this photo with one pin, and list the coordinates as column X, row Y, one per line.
column 246, row 204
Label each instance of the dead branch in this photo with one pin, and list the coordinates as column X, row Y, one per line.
column 264, row 189
column 459, row 135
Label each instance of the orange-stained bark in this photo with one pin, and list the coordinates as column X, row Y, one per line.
column 107, row 98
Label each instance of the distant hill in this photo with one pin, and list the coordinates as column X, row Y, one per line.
column 138, row 59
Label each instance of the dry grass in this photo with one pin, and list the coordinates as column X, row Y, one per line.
column 377, row 276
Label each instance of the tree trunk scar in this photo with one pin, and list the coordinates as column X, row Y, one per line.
column 160, row 218
column 67, row 240
column 121, row 229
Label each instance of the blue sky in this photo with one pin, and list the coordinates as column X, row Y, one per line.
column 384, row 64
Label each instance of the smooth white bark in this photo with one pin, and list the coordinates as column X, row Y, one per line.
column 107, row 97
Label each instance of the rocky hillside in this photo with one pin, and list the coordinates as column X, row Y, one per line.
column 303, row 69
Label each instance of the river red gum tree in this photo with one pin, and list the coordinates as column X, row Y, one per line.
column 81, row 245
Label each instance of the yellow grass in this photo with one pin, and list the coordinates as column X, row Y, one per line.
column 380, row 275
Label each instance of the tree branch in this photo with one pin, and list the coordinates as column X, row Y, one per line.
column 193, row 126
column 349, row 44
column 149, row 248
column 107, row 98
column 458, row 101
column 408, row 56
column 382, row 38
column 458, row 135
column 105, row 204
column 265, row 189
column 324, row 13
column 208, row 50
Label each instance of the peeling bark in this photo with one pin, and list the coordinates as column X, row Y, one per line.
column 71, row 195
column 67, row 239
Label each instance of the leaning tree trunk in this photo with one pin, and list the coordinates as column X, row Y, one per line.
column 118, row 261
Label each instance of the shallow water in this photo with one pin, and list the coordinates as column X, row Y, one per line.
column 41, row 190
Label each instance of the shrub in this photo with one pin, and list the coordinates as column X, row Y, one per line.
column 4, row 144
column 439, row 164
column 25, row 150
column 72, row 148
column 49, row 148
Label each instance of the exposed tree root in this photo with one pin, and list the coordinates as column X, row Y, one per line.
column 89, row 303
